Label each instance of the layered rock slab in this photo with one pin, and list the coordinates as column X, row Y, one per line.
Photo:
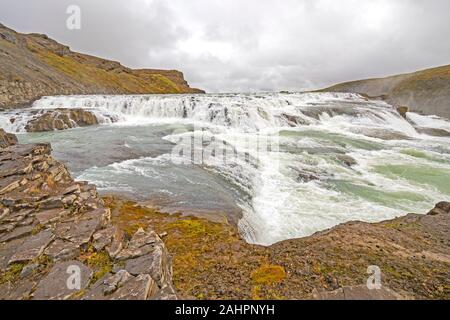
column 57, row 240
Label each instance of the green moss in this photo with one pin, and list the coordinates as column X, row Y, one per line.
column 100, row 262
column 121, row 81
column 12, row 274
column 268, row 274
column 190, row 228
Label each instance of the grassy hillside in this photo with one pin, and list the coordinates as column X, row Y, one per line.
column 426, row 91
column 33, row 65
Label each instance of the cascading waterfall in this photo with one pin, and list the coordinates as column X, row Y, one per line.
column 339, row 156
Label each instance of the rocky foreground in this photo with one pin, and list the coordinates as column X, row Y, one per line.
column 211, row 261
column 57, row 240
column 51, row 225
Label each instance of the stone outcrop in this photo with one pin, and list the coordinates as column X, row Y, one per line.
column 402, row 110
column 33, row 65
column 7, row 139
column 57, row 240
column 60, row 119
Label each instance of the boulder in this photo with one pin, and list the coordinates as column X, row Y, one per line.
column 60, row 119
column 7, row 139
column 440, row 208
column 402, row 110
column 32, row 247
column 347, row 160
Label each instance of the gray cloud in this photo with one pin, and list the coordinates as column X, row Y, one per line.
column 251, row 45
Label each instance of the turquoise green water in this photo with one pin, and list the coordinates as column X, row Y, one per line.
column 438, row 178
column 396, row 199
column 359, row 161
column 334, row 138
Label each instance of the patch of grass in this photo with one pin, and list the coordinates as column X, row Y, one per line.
column 197, row 246
column 190, row 228
column 100, row 262
column 88, row 73
column 12, row 274
column 268, row 274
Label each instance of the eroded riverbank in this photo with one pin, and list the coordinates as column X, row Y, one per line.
column 211, row 260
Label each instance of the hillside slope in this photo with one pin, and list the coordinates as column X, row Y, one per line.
column 426, row 91
column 33, row 65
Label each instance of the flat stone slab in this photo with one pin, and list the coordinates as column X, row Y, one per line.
column 123, row 286
column 7, row 250
column 79, row 232
column 47, row 216
column 32, row 247
column 140, row 244
column 363, row 293
column 64, row 280
column 20, row 291
column 9, row 168
column 60, row 250
column 358, row 293
column 16, row 216
column 17, row 233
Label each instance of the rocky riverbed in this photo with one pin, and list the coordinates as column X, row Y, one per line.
column 50, row 224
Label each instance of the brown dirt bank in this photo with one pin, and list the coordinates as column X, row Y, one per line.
column 211, row 261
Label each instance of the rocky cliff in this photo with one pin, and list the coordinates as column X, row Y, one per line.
column 57, row 240
column 33, row 65
column 426, row 91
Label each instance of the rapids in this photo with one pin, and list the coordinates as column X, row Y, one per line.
column 332, row 158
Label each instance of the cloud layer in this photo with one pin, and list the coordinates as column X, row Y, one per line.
column 252, row 45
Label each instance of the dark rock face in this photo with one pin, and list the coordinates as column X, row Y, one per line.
column 440, row 208
column 53, row 229
column 61, row 119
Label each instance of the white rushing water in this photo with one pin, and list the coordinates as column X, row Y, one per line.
column 306, row 184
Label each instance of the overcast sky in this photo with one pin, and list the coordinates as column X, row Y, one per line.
column 250, row 45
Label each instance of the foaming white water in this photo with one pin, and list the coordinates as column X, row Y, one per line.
column 244, row 112
column 340, row 157
column 428, row 121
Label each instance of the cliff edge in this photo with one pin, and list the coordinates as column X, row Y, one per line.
column 33, row 65
column 426, row 91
